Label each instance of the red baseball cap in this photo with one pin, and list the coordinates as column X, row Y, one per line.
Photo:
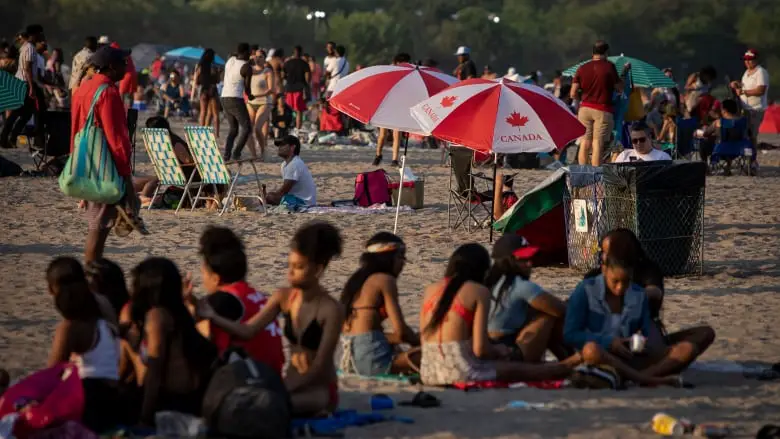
column 750, row 54
column 515, row 246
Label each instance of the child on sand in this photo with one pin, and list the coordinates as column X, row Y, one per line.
column 689, row 343
column 223, row 270
column 313, row 320
column 370, row 297
column 89, row 339
column 605, row 311
column 455, row 343
column 176, row 359
column 523, row 316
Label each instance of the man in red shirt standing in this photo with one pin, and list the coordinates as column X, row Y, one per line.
column 109, row 114
column 223, row 270
column 598, row 79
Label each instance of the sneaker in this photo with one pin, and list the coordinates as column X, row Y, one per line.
column 377, row 160
column 395, row 163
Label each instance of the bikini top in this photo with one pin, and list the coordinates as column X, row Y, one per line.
column 457, row 306
column 378, row 308
column 310, row 337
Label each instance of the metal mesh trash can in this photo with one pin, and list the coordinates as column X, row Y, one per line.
column 663, row 203
column 584, row 204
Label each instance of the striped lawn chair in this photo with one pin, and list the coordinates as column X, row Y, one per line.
column 214, row 170
column 167, row 167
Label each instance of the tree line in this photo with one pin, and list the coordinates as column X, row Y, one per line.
column 529, row 35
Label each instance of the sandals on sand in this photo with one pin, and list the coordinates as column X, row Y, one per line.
column 423, row 400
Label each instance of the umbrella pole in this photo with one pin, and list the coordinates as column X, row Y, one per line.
column 493, row 204
column 401, row 184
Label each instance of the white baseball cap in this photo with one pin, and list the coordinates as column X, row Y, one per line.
column 270, row 54
column 104, row 40
column 463, row 50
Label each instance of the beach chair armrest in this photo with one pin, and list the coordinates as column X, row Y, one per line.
column 481, row 176
column 238, row 162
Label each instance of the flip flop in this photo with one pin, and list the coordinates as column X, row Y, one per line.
column 423, row 400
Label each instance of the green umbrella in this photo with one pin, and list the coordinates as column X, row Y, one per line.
column 643, row 74
column 12, row 91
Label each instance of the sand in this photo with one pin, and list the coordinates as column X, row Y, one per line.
column 738, row 294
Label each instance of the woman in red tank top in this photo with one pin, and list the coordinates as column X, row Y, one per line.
column 223, row 270
column 455, row 343
column 313, row 320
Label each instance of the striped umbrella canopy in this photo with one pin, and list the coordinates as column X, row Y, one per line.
column 382, row 95
column 12, row 91
column 501, row 116
column 644, row 74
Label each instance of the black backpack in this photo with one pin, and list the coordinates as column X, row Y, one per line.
column 247, row 399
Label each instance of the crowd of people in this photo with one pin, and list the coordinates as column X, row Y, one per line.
column 150, row 345
column 264, row 94
column 484, row 320
column 596, row 82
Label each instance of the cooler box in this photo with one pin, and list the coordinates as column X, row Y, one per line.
column 412, row 194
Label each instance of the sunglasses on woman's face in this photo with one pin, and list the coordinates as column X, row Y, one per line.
column 638, row 140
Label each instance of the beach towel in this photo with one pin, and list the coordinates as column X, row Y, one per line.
column 495, row 384
column 342, row 419
column 385, row 377
column 539, row 217
column 45, row 398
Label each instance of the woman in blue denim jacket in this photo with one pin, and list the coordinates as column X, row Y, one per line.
column 666, row 353
column 604, row 312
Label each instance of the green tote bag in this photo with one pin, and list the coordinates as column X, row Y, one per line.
column 90, row 173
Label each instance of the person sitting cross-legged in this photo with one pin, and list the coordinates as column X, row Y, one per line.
column 298, row 187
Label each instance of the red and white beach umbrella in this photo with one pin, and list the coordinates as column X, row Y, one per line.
column 382, row 95
column 501, row 116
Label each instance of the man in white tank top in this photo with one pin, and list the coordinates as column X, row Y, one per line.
column 238, row 74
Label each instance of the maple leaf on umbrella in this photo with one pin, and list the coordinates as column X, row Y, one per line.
column 516, row 120
column 447, row 101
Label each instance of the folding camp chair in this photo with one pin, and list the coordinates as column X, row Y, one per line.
column 469, row 204
column 166, row 166
column 214, row 170
column 735, row 146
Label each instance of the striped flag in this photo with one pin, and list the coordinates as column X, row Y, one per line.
column 12, row 91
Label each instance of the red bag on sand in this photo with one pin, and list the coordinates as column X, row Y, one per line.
column 372, row 188
column 47, row 397
column 480, row 385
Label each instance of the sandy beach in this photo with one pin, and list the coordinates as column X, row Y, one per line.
column 738, row 294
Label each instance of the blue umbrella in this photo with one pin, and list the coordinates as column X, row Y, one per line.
column 191, row 53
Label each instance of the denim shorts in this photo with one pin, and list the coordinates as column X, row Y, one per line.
column 366, row 354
